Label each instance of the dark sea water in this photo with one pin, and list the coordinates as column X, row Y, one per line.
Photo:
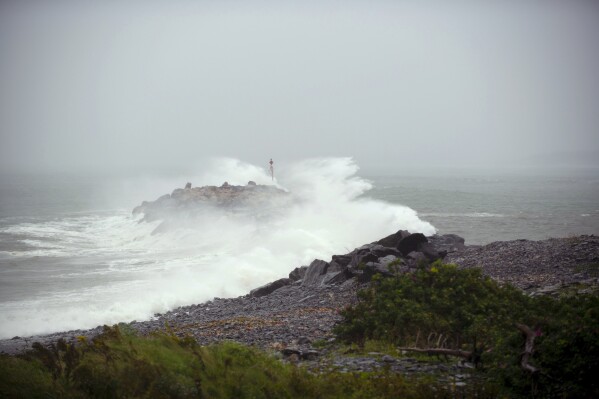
column 72, row 255
column 498, row 207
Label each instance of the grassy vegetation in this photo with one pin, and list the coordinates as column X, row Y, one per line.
column 443, row 307
column 123, row 365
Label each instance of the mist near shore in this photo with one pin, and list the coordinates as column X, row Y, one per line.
column 158, row 86
column 68, row 270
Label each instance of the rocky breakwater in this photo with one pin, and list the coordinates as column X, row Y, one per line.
column 190, row 204
column 401, row 251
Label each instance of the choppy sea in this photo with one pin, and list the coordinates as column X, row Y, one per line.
column 72, row 255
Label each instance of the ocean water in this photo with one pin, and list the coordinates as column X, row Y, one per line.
column 72, row 255
column 498, row 206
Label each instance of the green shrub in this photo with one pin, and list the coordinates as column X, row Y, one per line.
column 457, row 308
column 444, row 307
column 123, row 365
column 20, row 378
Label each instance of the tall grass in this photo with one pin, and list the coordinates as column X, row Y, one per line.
column 120, row 364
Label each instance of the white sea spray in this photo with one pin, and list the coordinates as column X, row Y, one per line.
column 109, row 268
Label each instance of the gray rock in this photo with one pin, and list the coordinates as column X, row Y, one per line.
column 298, row 273
column 369, row 269
column 393, row 240
column 362, row 255
column 447, row 242
column 334, row 266
column 370, row 253
column 341, row 260
column 315, row 273
column 431, row 253
column 411, row 243
column 416, row 256
column 337, row 277
column 385, row 260
column 270, row 287
column 381, row 251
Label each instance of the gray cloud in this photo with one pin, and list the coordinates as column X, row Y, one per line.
column 161, row 85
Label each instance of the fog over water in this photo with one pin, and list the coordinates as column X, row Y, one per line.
column 155, row 85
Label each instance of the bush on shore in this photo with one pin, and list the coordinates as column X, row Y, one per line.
column 442, row 307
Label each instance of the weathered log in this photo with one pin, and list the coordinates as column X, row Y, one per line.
column 529, row 346
column 441, row 351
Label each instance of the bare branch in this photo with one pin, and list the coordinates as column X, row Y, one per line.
column 528, row 348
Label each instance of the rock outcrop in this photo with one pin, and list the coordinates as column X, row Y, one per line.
column 187, row 203
column 401, row 250
column 270, row 287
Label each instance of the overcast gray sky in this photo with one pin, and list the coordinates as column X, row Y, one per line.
column 149, row 85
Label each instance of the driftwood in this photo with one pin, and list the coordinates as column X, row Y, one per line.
column 528, row 348
column 473, row 356
column 441, row 351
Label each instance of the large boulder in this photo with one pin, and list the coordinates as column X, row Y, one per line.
column 315, row 273
column 416, row 258
column 339, row 263
column 432, row 249
column 431, row 252
column 411, row 243
column 362, row 255
column 370, row 253
column 367, row 270
column 393, row 239
column 270, row 287
column 337, row 277
column 298, row 273
column 386, row 260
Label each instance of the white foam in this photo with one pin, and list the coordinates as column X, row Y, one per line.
column 127, row 273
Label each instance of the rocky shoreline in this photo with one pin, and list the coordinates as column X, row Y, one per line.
column 537, row 266
column 290, row 315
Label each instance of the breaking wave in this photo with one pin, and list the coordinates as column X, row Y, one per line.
column 90, row 269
